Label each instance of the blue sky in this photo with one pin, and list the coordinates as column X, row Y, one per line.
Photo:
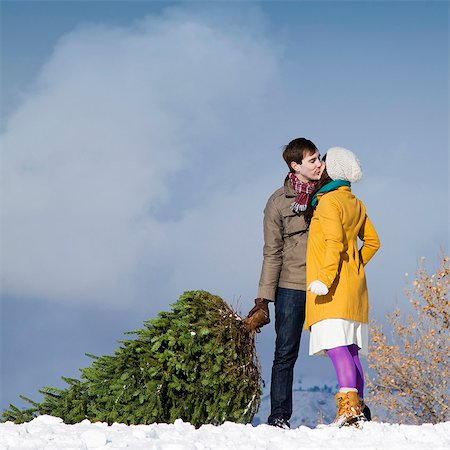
column 141, row 140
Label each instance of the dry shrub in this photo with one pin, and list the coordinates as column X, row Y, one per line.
column 412, row 367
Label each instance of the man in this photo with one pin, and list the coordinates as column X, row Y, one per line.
column 283, row 274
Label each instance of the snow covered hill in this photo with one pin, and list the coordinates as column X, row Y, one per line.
column 49, row 433
column 310, row 407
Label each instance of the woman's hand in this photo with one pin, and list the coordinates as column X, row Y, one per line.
column 318, row 288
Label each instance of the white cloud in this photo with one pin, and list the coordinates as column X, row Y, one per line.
column 122, row 121
column 139, row 165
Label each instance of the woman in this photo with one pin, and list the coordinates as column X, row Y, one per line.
column 337, row 300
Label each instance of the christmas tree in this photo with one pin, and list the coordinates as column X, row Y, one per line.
column 197, row 363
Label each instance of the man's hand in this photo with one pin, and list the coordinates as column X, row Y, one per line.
column 318, row 288
column 258, row 316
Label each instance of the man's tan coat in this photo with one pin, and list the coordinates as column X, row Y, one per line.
column 285, row 238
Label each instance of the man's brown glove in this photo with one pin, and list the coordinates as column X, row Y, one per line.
column 258, row 316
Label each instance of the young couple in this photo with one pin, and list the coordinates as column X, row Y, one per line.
column 313, row 271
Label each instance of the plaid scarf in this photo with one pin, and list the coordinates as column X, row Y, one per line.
column 303, row 191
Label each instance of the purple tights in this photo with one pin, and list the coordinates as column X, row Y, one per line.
column 348, row 367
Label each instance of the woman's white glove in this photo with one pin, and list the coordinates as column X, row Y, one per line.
column 318, row 288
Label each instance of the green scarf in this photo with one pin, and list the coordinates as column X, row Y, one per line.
column 331, row 186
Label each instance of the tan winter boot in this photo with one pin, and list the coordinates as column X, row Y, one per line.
column 348, row 409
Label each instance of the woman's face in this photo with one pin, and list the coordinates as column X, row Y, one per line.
column 310, row 169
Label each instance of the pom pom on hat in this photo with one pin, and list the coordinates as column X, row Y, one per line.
column 342, row 164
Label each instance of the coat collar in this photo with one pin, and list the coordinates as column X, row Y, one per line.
column 332, row 186
column 288, row 190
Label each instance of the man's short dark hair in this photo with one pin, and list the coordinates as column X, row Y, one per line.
column 298, row 149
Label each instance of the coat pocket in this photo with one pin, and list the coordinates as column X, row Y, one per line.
column 293, row 224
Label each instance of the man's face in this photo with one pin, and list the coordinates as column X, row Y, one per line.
column 310, row 169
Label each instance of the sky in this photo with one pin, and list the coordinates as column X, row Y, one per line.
column 141, row 140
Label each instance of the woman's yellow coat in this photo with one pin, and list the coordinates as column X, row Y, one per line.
column 333, row 257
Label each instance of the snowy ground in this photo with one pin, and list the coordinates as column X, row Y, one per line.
column 49, row 433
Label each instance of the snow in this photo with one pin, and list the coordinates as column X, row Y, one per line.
column 50, row 433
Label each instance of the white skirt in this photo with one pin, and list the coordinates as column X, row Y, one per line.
column 330, row 333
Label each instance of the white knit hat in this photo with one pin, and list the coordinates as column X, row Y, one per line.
column 342, row 164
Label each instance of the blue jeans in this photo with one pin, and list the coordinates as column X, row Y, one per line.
column 289, row 320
